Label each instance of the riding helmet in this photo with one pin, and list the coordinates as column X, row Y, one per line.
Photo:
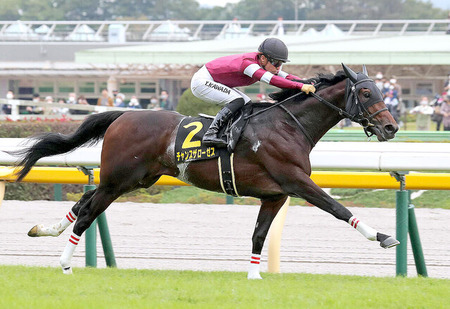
column 274, row 48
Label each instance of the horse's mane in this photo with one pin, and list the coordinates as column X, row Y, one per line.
column 320, row 81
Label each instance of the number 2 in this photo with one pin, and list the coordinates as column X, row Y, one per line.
column 188, row 143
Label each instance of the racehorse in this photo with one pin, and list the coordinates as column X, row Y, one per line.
column 271, row 157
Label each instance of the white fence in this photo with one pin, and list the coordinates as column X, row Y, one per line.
column 326, row 155
column 188, row 30
column 51, row 110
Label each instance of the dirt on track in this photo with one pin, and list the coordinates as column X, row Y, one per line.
column 218, row 237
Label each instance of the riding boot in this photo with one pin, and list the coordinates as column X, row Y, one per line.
column 211, row 137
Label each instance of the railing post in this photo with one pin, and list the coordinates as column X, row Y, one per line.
column 229, row 199
column 14, row 109
column 416, row 245
column 106, row 241
column 276, row 229
column 402, row 201
column 91, row 232
column 57, row 190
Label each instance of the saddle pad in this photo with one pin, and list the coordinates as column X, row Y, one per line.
column 188, row 143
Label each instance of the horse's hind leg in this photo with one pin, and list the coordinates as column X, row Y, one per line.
column 267, row 212
column 96, row 203
column 87, row 212
column 57, row 228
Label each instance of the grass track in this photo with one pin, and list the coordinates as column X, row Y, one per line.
column 38, row 287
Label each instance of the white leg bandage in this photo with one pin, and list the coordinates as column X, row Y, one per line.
column 253, row 272
column 66, row 256
column 363, row 228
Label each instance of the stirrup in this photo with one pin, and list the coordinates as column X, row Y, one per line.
column 214, row 141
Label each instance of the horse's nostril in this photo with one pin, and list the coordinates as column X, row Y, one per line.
column 391, row 129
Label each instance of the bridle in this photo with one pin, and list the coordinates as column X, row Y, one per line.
column 354, row 109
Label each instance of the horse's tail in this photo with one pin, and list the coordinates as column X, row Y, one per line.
column 88, row 133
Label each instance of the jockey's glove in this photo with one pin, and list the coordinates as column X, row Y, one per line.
column 307, row 88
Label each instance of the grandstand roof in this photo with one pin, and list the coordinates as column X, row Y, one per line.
column 306, row 49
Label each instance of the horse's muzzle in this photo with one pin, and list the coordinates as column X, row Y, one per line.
column 384, row 132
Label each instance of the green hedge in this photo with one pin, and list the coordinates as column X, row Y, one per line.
column 23, row 129
column 191, row 106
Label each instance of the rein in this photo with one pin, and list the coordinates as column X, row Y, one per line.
column 364, row 121
column 280, row 104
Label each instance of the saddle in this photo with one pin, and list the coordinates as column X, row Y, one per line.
column 189, row 146
column 188, row 143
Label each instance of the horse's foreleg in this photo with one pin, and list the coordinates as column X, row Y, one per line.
column 267, row 212
column 316, row 196
column 56, row 229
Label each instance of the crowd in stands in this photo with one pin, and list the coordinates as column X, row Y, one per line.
column 436, row 110
column 116, row 100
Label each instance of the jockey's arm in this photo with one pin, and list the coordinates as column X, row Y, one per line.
column 254, row 71
column 288, row 76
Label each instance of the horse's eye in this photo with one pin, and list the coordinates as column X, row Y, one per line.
column 366, row 94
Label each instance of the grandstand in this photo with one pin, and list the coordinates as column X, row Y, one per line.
column 144, row 57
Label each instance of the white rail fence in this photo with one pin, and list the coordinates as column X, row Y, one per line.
column 50, row 110
column 188, row 30
column 326, row 155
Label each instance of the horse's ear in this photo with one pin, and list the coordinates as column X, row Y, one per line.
column 350, row 73
column 365, row 70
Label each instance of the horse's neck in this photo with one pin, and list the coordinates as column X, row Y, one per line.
column 316, row 117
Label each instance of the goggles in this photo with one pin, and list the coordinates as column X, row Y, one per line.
column 276, row 63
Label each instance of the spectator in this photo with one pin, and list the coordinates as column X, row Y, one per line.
column 48, row 110
column 105, row 99
column 6, row 108
column 445, row 111
column 49, row 99
column 72, row 98
column 62, row 111
column 120, row 100
column 447, row 86
column 379, row 80
column 391, row 101
column 164, row 102
column 423, row 112
column 82, row 101
column 386, row 87
column 115, row 93
column 437, row 115
column 154, row 103
column 134, row 103
column 35, row 109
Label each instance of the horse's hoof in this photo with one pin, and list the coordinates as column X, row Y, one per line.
column 254, row 277
column 34, row 232
column 67, row 270
column 389, row 242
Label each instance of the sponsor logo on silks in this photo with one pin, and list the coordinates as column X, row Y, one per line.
column 217, row 87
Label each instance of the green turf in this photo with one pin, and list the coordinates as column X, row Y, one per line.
column 34, row 287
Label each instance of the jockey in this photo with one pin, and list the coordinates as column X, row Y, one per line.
column 215, row 82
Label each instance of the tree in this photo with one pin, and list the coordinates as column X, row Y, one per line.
column 243, row 10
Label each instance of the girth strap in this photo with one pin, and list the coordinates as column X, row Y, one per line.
column 226, row 172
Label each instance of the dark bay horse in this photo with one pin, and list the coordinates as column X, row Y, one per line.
column 271, row 159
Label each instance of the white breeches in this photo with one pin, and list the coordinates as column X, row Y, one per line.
column 205, row 88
